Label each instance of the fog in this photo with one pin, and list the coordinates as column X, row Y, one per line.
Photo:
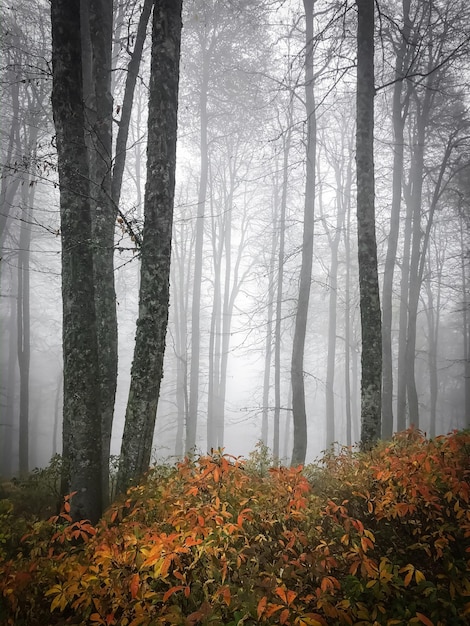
column 242, row 81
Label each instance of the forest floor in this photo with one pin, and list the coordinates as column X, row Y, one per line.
column 376, row 538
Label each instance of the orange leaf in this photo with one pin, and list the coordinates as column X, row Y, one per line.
column 424, row 620
column 284, row 616
column 171, row 591
column 134, row 586
column 226, row 595
column 272, row 609
column 281, row 592
column 261, row 606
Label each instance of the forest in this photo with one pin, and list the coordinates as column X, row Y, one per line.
column 235, row 332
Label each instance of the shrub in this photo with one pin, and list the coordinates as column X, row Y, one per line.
column 379, row 538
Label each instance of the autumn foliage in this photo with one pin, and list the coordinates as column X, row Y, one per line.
column 377, row 538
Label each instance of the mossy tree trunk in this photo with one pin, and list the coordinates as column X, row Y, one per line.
column 147, row 366
column 81, row 420
column 371, row 359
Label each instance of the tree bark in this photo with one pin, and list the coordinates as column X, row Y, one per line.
column 82, row 424
column 371, row 359
column 297, row 363
column 399, row 113
column 128, row 99
column 191, row 423
column 23, row 324
column 147, row 366
column 97, row 50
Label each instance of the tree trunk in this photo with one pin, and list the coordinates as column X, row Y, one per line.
column 280, row 287
column 23, row 324
column 433, row 318
column 465, row 315
column 297, row 364
column 268, row 346
column 97, row 21
column 147, row 366
column 82, row 424
column 371, row 360
column 191, row 424
column 7, row 415
column 399, row 113
column 128, row 99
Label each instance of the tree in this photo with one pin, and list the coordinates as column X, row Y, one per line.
column 147, row 366
column 400, row 105
column 97, row 30
column 81, row 420
column 371, row 359
column 297, row 363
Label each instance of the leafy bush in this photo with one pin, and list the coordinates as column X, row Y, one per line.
column 379, row 538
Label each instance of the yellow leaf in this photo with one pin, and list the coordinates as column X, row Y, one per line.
column 419, row 576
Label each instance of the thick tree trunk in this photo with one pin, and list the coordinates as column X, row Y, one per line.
column 297, row 363
column 371, row 359
column 100, row 17
column 82, row 424
column 147, row 367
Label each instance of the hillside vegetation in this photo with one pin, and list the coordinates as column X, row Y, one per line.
column 377, row 538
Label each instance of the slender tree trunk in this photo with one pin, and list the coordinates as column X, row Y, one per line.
column 7, row 415
column 23, row 324
column 403, row 318
column 214, row 337
column 268, row 349
column 371, row 360
column 191, row 425
column 297, row 363
column 128, row 99
column 9, row 185
column 433, row 314
column 81, row 424
column 398, row 116
column 347, row 329
column 280, row 290
column 465, row 316
column 147, row 367
column 343, row 191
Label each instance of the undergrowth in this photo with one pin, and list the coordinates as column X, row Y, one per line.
column 377, row 538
